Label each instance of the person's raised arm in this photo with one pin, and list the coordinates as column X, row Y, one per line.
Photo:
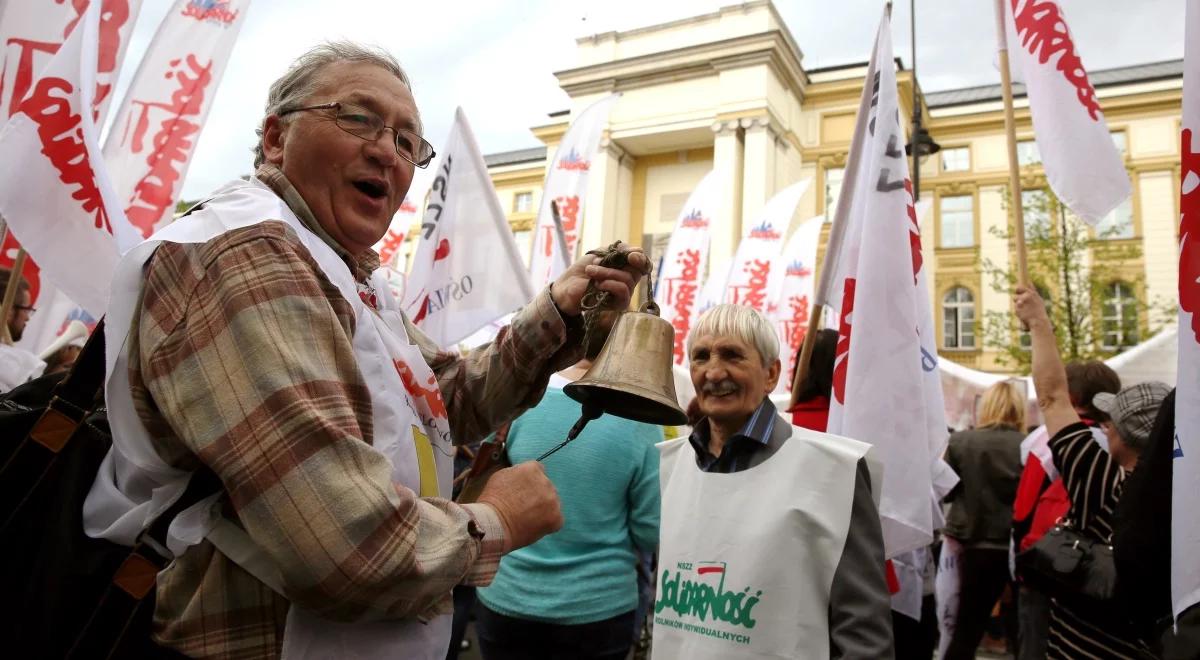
column 1049, row 374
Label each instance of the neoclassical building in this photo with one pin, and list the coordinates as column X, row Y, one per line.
column 728, row 91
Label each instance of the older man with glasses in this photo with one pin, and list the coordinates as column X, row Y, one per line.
column 257, row 342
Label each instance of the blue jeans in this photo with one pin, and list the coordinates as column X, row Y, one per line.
column 507, row 638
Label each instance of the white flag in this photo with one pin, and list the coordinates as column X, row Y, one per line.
column 793, row 295
column 678, row 290
column 62, row 206
column 467, row 270
column 1185, row 523
column 750, row 273
column 887, row 390
column 566, row 184
column 389, row 247
column 151, row 143
column 52, row 318
column 31, row 32
column 1082, row 164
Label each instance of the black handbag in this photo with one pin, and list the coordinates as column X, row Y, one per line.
column 66, row 594
column 1071, row 566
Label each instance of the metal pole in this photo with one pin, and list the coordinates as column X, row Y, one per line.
column 916, row 117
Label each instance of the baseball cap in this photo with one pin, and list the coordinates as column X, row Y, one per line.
column 1133, row 409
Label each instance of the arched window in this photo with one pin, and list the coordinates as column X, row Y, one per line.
column 958, row 318
column 1118, row 317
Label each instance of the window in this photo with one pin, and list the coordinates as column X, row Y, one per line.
column 1118, row 138
column 1118, row 223
column 1118, row 317
column 956, row 159
column 958, row 221
column 1027, row 153
column 523, row 202
column 1035, row 207
column 958, row 319
column 833, row 190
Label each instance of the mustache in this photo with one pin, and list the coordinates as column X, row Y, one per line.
column 720, row 387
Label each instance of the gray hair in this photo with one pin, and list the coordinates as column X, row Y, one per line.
column 300, row 81
column 743, row 323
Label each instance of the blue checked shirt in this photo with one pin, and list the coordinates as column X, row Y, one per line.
column 753, row 437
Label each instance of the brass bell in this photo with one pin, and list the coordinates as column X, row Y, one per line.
column 631, row 377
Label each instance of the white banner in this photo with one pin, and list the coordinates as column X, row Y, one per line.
column 1185, row 523
column 946, row 589
column 151, row 143
column 466, row 271
column 566, row 184
column 390, row 247
column 1082, row 164
column 793, row 295
column 61, row 207
column 887, row 390
column 758, row 251
column 678, row 289
column 31, row 32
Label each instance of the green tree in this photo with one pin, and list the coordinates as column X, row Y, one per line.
column 1072, row 267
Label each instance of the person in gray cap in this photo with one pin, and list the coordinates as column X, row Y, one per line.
column 1094, row 478
column 1132, row 412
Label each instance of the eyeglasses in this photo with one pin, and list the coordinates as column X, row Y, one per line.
column 361, row 122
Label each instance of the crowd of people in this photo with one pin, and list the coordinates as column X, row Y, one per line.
column 262, row 347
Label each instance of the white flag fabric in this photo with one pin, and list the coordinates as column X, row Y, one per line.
column 566, row 184
column 467, row 271
column 32, row 30
column 677, row 292
column 1081, row 163
column 887, row 389
column 389, row 247
column 793, row 298
column 758, row 251
column 62, row 206
column 1185, row 523
column 151, row 143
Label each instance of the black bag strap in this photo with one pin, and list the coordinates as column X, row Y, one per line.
column 129, row 594
column 73, row 399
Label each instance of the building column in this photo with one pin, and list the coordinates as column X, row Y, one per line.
column 993, row 212
column 759, row 165
column 604, row 221
column 726, row 227
column 1155, row 198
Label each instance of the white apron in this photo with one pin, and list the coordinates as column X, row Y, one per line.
column 746, row 560
column 410, row 429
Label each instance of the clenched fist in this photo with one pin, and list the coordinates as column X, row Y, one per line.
column 526, row 502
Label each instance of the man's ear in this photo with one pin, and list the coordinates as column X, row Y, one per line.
column 273, row 138
column 773, row 375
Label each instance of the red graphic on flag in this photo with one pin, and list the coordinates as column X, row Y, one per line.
column 914, row 230
column 30, row 271
column 1189, row 231
column 1044, row 34
column 841, row 359
column 442, row 251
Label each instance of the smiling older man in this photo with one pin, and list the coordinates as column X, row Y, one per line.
column 257, row 341
column 770, row 542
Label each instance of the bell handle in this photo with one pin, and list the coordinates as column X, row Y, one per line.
column 650, row 307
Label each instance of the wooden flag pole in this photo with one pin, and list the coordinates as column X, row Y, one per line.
column 10, row 295
column 806, row 349
column 1010, row 130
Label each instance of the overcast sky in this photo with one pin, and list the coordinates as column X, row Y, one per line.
column 497, row 59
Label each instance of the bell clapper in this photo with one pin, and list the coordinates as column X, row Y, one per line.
column 590, row 412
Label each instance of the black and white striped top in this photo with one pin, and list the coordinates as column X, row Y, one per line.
column 1093, row 481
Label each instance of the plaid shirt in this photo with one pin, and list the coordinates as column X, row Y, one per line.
column 241, row 360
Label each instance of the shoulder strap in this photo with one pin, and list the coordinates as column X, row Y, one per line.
column 72, row 400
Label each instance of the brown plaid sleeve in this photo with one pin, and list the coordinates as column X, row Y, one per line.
column 245, row 352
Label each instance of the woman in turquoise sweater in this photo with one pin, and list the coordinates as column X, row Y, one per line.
column 573, row 593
